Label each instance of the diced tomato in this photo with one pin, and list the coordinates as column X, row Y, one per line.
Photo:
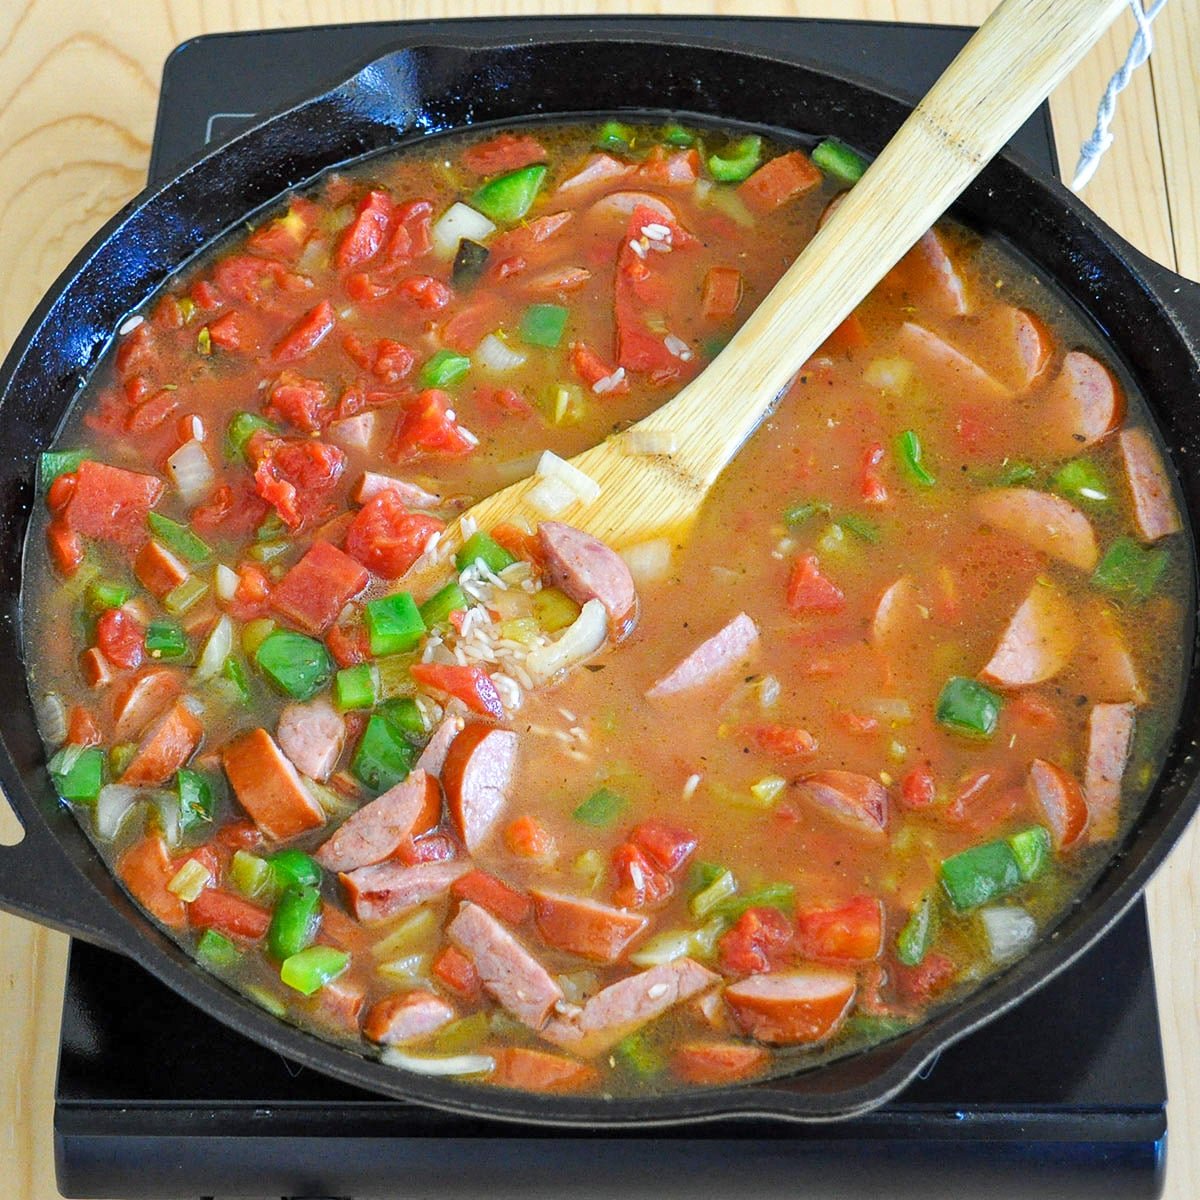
column 638, row 882
column 760, row 941
column 722, row 293
column 853, row 932
column 65, row 546
column 318, row 587
column 666, row 846
column 507, row 400
column 151, row 413
column 591, row 368
column 231, row 511
column 82, row 729
column 523, row 238
column 239, row 835
column 428, row 426
column 300, row 402
column 204, row 295
column 920, row 984
column 244, row 277
column 137, row 351
column 230, row 332
column 493, row 894
column 503, row 153
column 855, row 723
column 387, row 539
column 412, row 233
column 285, row 237
column 781, row 739
column 1033, row 711
column 296, row 478
column 810, row 591
column 526, row 837
column 59, row 493
column 425, row 292
column 518, row 543
column 871, row 486
column 111, row 503
column 363, row 238
column 472, row 685
column 95, row 668
column 167, row 314
column 362, row 289
column 228, row 914
column 778, row 181
column 349, row 645
column 388, row 360
column 465, row 330
column 849, row 335
column 120, row 637
column 306, row 334
column 680, row 168
column 456, row 972
column 917, row 789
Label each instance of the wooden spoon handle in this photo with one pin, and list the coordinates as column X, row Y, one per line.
column 1002, row 74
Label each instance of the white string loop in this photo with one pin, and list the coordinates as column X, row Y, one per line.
column 1093, row 149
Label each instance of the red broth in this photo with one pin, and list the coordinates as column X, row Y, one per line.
column 949, row 571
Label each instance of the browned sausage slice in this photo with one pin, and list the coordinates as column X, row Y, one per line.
column 312, row 736
column 409, row 494
column 1041, row 520
column 268, row 787
column 789, row 1008
column 854, row 799
column 1082, row 405
column 585, row 927
column 1109, row 672
column 1022, row 342
column 586, row 569
column 166, row 747
column 712, row 658
column 513, row 977
column 137, row 701
column 1110, row 735
column 433, row 757
column 388, row 888
column 1153, row 505
column 476, row 775
column 1037, row 642
column 948, row 365
column 897, row 614
column 1060, row 798
column 624, row 1006
column 539, row 1071
column 378, row 829
column 718, row 1062
column 407, row 1017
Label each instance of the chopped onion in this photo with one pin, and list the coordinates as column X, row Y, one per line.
column 550, row 497
column 168, row 813
column 648, row 561
column 51, row 715
column 651, row 441
column 190, row 880
column 458, row 1064
column 663, row 947
column 216, row 649
column 1009, row 930
column 890, row 709
column 457, row 222
column 113, row 805
column 550, row 466
column 888, row 374
column 581, row 639
column 727, row 200
column 191, row 471
column 225, row 582
column 496, row 356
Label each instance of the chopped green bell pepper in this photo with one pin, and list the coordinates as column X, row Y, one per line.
column 1081, row 479
column 314, row 967
column 384, row 755
column 470, row 259
column 437, row 609
column 241, row 426
column 103, row 596
column 909, row 452
column 614, row 136
column 543, row 324
column 179, row 538
column 1130, row 569
column 236, row 674
column 394, row 624
column 195, row 799
column 78, row 773
column 295, row 922
column 600, row 809
column 444, row 368
column 54, row 463
column 1031, row 849
column 480, row 546
column 216, row 949
column 967, row 706
column 775, row 895
column 677, row 135
column 508, row 198
column 294, row 869
column 837, row 159
column 404, row 715
column 980, row 874
column 166, row 639
column 915, row 938
column 356, row 687
column 738, row 162
column 298, row 666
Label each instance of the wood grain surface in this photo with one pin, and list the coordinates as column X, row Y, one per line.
column 78, row 90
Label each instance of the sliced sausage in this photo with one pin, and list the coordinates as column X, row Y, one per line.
column 898, row 612
column 1061, row 801
column 1038, row 641
column 623, row 204
column 407, row 1017
column 378, row 829
column 433, row 757
column 1108, row 667
column 312, row 736
column 1022, row 345
column 789, row 1008
column 728, row 647
column 387, row 888
column 586, row 569
column 1044, row 521
column 340, row 1002
column 137, row 701
column 268, row 787
column 353, row 433
column 947, row 364
column 599, row 168
column 622, row 1007
column 539, row 1071
column 476, row 775
column 585, row 927
column 166, row 747
column 1153, row 504
column 1110, row 736
column 501, row 900
column 146, row 869
column 718, row 1062
column 856, row 800
column 409, row 494
column 1082, row 405
column 513, row 977
column 946, row 287
column 158, row 570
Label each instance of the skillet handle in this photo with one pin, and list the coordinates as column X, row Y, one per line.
column 1177, row 292
column 38, row 881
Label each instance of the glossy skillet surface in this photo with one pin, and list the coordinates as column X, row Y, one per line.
column 1150, row 317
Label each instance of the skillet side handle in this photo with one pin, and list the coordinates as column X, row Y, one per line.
column 1177, row 292
column 40, row 883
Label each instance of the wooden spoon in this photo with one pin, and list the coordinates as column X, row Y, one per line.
column 1002, row 74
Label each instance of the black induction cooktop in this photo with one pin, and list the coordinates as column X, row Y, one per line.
column 1063, row 1097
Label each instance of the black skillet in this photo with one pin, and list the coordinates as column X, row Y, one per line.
column 1150, row 317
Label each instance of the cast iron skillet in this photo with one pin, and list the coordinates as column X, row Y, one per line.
column 1150, row 317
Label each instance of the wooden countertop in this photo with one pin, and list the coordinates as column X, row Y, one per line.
column 78, row 90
